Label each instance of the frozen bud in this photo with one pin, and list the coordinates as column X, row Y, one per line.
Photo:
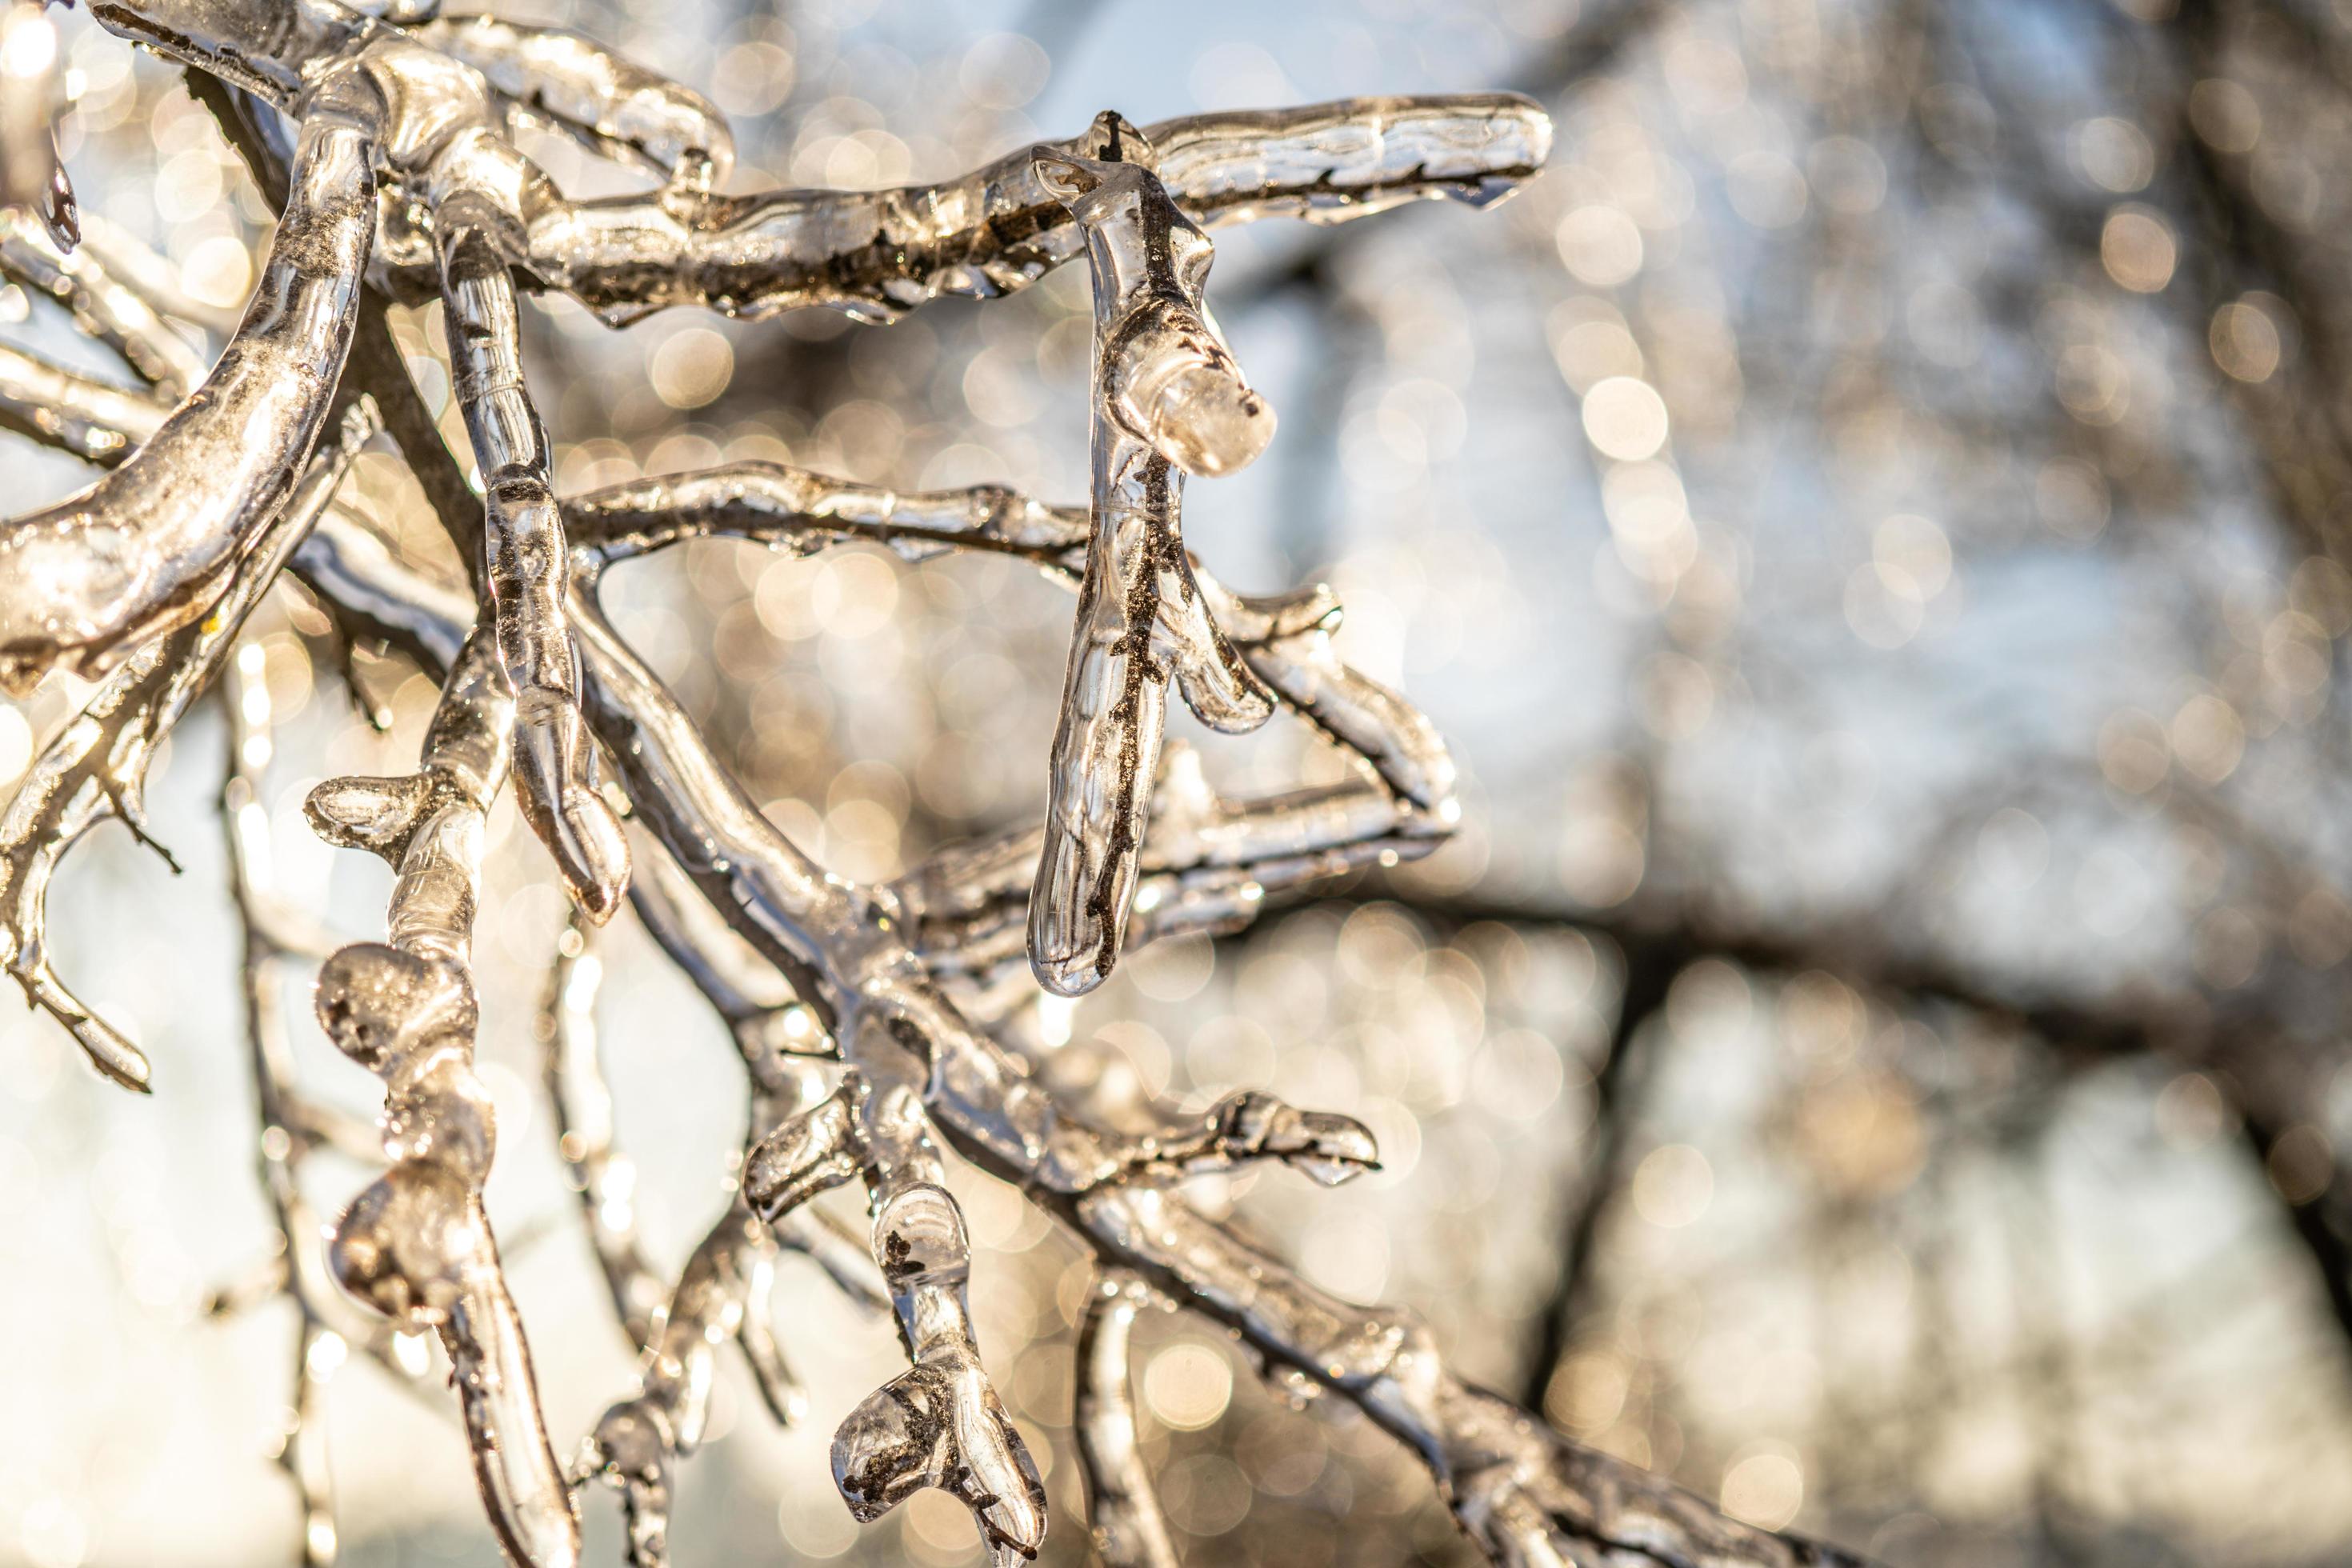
column 377, row 1003
column 1324, row 1145
column 404, row 1245
column 812, row 1151
column 1180, row 390
column 920, row 1237
column 441, row 1112
column 940, row 1424
column 377, row 813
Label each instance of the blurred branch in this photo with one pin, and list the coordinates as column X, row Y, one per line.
column 2252, row 1056
column 1617, row 1084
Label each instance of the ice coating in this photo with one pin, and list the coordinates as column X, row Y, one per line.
column 1167, row 398
column 722, row 1295
column 878, row 255
column 1523, row 1494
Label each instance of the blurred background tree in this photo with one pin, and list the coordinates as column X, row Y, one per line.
column 1873, row 1053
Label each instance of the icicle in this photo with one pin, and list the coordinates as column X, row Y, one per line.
column 1166, row 397
column 31, row 174
column 525, row 559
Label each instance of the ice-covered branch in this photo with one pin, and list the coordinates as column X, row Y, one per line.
column 416, row 1244
column 1525, row 1495
column 612, row 105
column 146, row 548
column 96, row 766
column 90, row 418
column 102, row 306
column 1521, row 1491
column 880, row 254
column 1135, row 843
column 802, row 513
column 1122, row 1509
column 722, row 1295
column 605, row 1179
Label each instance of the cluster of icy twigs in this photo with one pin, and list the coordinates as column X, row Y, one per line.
column 875, row 1021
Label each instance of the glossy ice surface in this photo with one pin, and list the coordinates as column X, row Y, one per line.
column 872, row 1019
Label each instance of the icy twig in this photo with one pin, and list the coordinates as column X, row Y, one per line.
column 96, row 766
column 750, row 997
column 1250, row 1125
column 89, row 418
column 940, row 1422
column 103, row 306
column 1122, row 1509
column 780, row 1040
column 604, row 1178
column 1168, row 399
column 615, row 107
column 416, row 1244
column 354, row 572
column 802, row 513
column 1525, row 1494
column 723, row 1294
column 145, row 549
